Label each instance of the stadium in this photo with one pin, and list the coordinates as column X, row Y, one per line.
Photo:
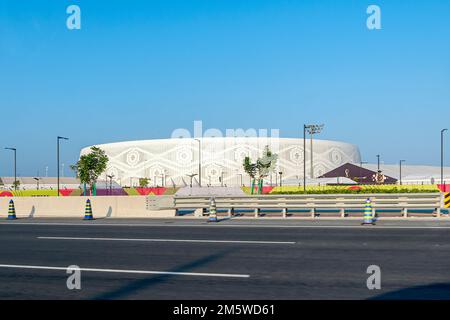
column 177, row 162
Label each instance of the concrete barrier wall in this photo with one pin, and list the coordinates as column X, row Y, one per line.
column 70, row 207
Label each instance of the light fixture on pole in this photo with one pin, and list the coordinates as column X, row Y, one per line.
column 37, row 182
column 15, row 166
column 281, row 179
column 110, row 183
column 57, row 162
column 313, row 129
column 191, row 176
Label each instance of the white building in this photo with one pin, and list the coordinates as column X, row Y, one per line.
column 172, row 162
column 412, row 174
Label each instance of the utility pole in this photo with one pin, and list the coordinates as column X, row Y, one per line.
column 400, row 165
column 304, row 158
column 312, row 129
column 57, row 161
column 442, row 157
column 15, row 166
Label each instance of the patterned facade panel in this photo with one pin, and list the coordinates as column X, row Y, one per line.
column 172, row 162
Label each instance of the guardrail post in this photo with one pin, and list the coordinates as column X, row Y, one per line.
column 313, row 213
column 256, row 212
column 285, row 210
column 405, row 212
column 342, row 213
column 438, row 212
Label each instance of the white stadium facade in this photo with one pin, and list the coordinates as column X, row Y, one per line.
column 172, row 162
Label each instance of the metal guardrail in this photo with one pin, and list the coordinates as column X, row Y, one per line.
column 312, row 203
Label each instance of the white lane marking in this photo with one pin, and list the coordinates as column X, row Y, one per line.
column 379, row 227
column 169, row 240
column 195, row 274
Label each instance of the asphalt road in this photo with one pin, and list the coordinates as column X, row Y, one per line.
column 191, row 259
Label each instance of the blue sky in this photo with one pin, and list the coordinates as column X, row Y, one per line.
column 140, row 69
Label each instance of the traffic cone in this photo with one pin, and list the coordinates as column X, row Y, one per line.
column 368, row 213
column 212, row 211
column 11, row 210
column 88, row 211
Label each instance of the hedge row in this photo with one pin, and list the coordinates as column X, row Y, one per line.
column 337, row 190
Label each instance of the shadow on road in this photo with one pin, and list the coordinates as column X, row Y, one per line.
column 33, row 211
column 435, row 291
column 141, row 284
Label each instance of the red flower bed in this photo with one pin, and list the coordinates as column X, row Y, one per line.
column 147, row 191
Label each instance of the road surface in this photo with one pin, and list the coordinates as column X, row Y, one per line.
column 232, row 259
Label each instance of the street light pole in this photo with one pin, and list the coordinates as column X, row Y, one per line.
column 378, row 161
column 191, row 176
column 57, row 161
column 110, row 183
column 442, row 157
column 281, row 179
column 15, row 166
column 400, row 163
column 312, row 129
column 199, row 162
column 37, row 182
column 311, row 155
column 304, row 158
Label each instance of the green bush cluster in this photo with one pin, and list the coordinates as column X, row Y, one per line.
column 364, row 190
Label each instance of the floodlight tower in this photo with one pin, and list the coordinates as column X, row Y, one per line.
column 312, row 129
